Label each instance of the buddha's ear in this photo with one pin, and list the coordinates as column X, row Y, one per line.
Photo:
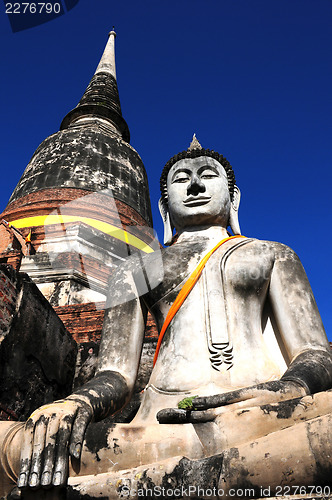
column 168, row 229
column 234, row 213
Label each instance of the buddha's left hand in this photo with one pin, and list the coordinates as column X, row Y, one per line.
column 207, row 408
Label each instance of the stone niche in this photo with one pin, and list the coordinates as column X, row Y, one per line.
column 37, row 354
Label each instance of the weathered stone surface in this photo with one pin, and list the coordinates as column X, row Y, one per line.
column 37, row 355
column 129, row 411
column 98, row 161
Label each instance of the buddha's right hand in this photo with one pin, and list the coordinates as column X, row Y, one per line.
column 50, row 434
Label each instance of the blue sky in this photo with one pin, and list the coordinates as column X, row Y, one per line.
column 252, row 78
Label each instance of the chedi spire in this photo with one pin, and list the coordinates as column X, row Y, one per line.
column 101, row 97
column 107, row 61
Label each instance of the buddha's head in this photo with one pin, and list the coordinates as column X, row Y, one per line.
column 198, row 190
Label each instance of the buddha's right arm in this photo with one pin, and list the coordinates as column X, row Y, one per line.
column 57, row 429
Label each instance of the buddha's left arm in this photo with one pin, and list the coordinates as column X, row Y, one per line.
column 299, row 323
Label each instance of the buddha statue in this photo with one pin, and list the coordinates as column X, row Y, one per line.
column 241, row 344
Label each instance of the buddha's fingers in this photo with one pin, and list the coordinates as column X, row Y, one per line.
column 83, row 418
column 49, row 450
column 196, row 417
column 263, row 393
column 37, row 451
column 180, row 416
column 173, row 416
column 207, row 402
column 26, row 452
column 60, row 473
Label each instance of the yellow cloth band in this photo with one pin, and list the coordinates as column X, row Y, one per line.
column 104, row 227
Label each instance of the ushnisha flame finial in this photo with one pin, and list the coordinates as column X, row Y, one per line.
column 194, row 144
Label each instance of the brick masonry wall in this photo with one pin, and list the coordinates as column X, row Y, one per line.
column 7, row 414
column 151, row 332
column 85, row 322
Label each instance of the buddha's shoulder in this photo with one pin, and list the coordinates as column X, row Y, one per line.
column 183, row 255
column 182, row 251
column 275, row 249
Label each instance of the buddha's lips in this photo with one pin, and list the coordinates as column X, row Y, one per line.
column 194, row 201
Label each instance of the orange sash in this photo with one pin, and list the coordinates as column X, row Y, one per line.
column 184, row 292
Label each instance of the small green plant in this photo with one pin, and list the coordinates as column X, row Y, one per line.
column 187, row 403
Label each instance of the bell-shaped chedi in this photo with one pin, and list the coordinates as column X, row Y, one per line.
column 86, row 184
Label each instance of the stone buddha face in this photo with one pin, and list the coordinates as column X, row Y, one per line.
column 195, row 194
column 198, row 193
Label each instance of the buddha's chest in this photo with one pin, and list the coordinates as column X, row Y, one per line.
column 216, row 335
column 240, row 272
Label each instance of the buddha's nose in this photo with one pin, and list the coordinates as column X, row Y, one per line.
column 196, row 186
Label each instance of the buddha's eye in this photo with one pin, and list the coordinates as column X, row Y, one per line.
column 181, row 178
column 208, row 174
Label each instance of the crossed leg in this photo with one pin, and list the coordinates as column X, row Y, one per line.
column 283, row 443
